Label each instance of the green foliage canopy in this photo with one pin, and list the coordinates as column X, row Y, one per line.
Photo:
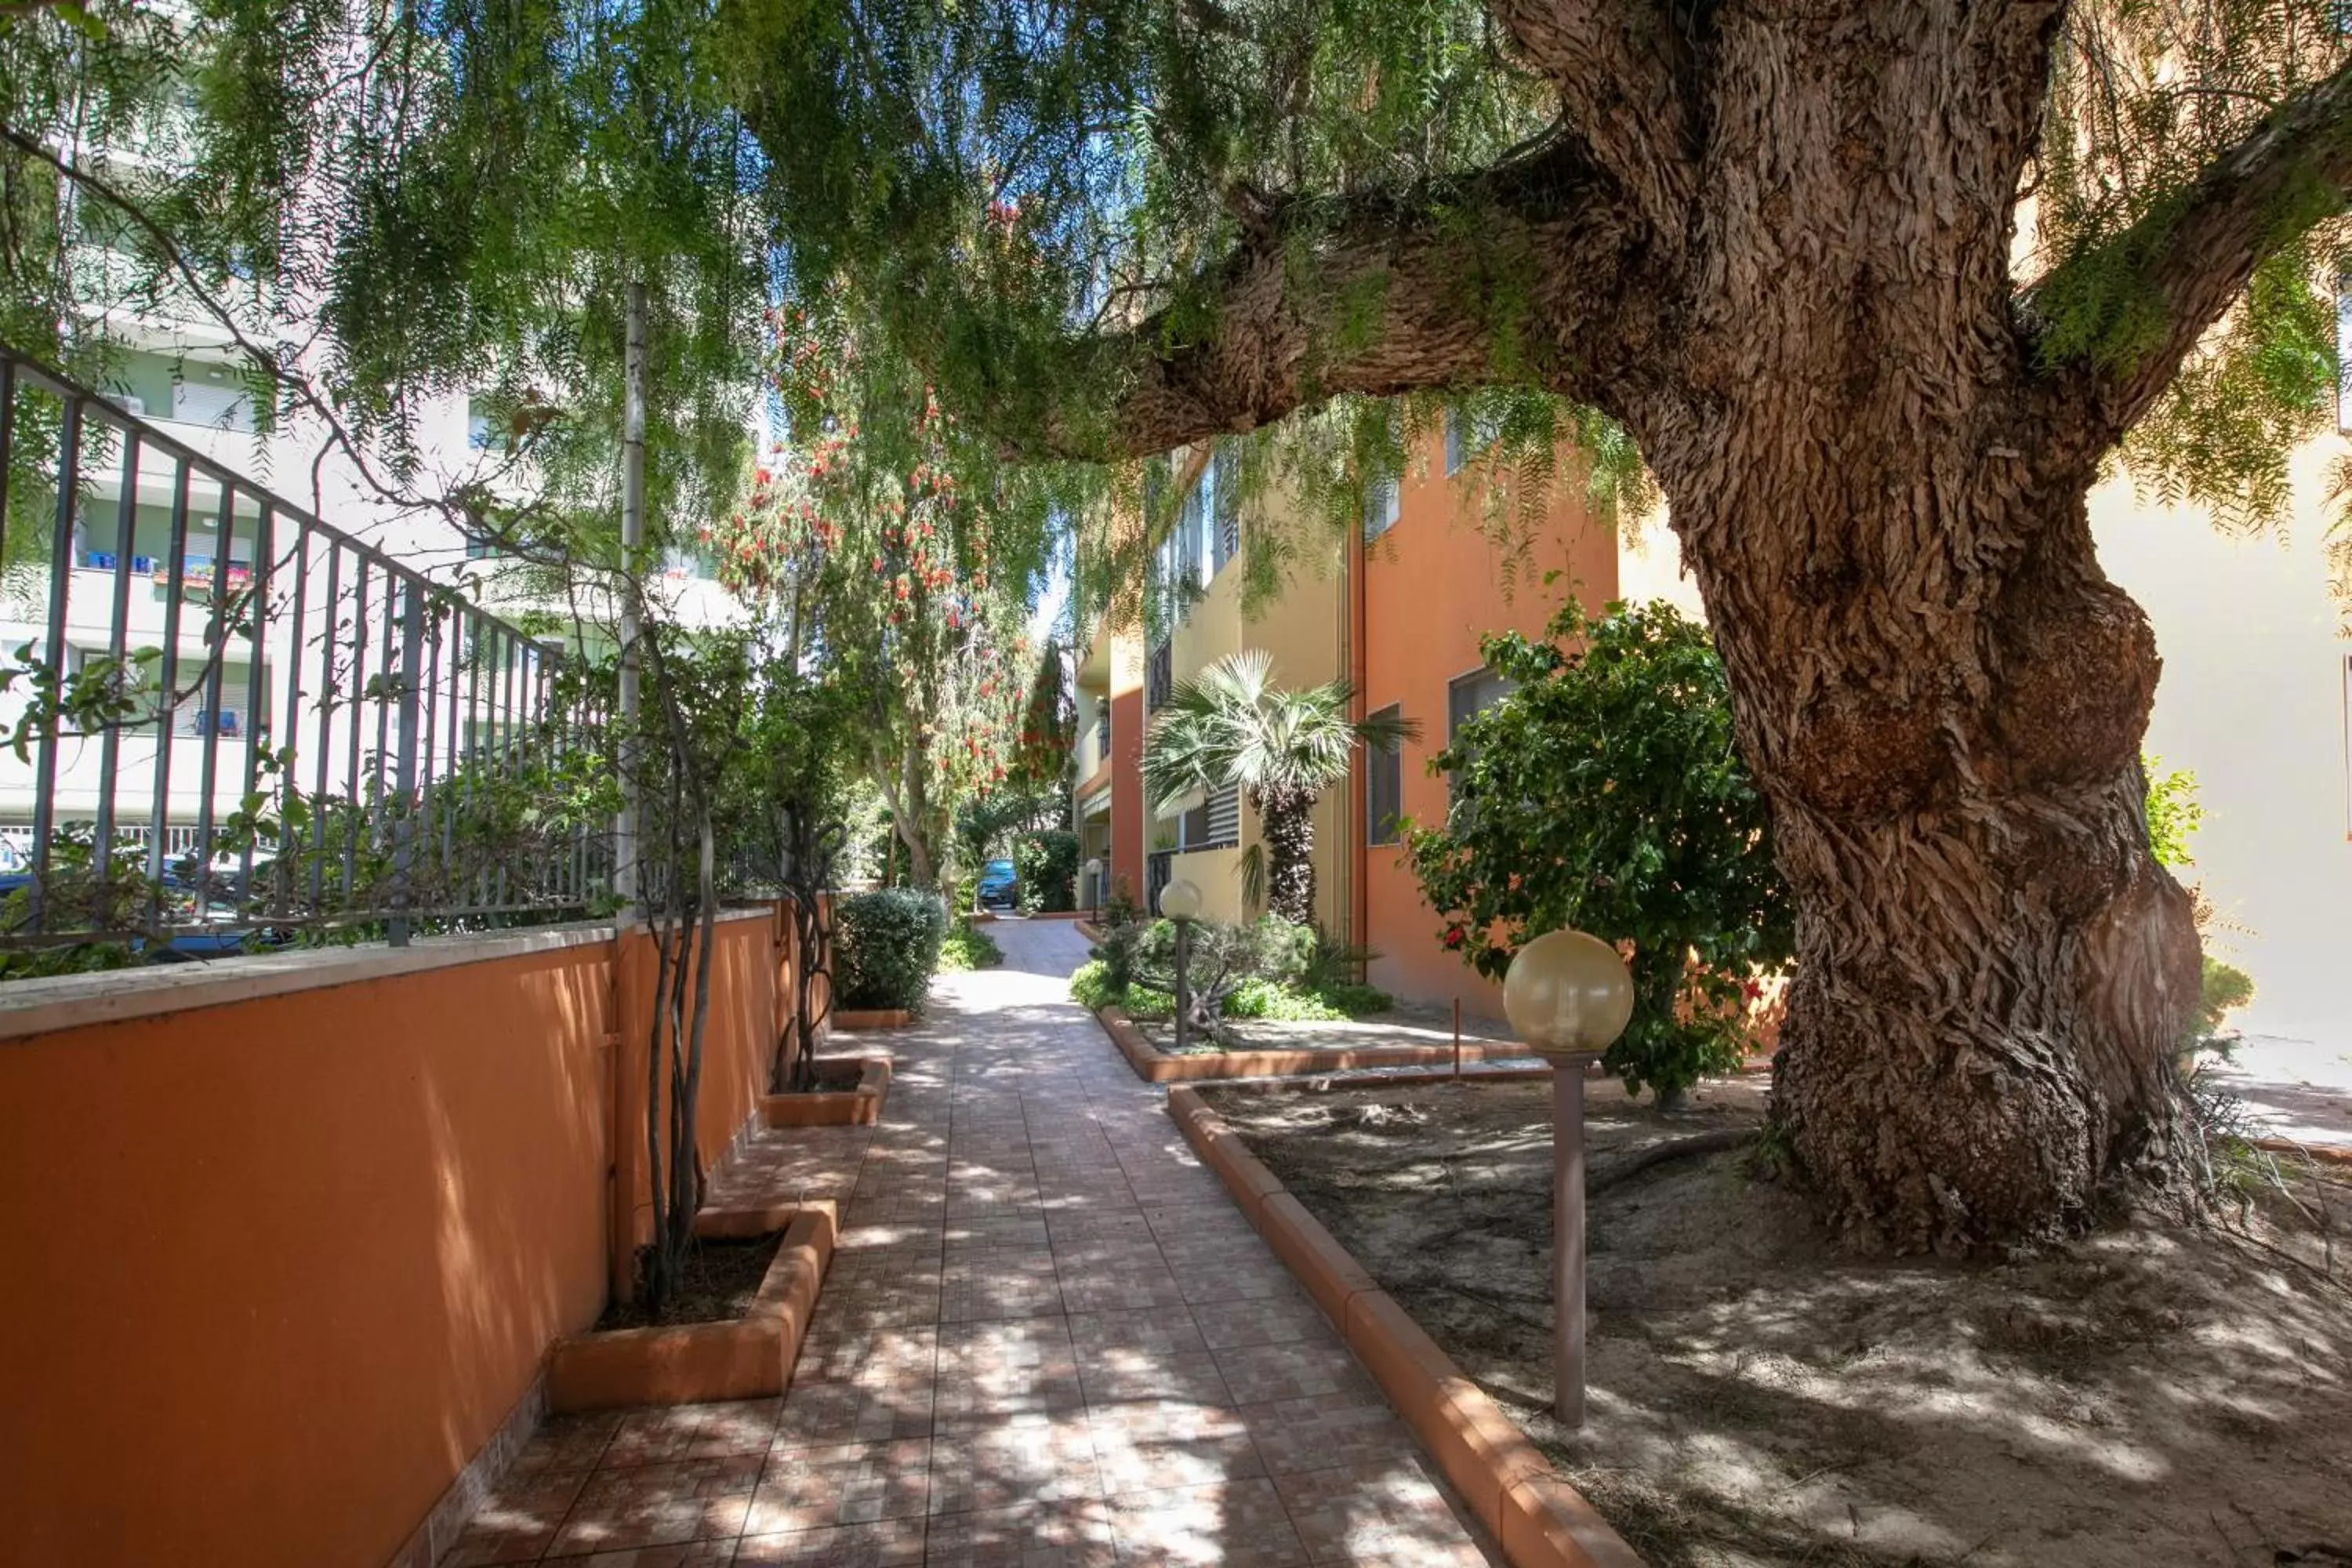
column 1606, row 795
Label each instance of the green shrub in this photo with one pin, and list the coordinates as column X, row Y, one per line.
column 1047, row 864
column 1355, row 1000
column 969, row 947
column 1117, row 951
column 1144, row 1002
column 1606, row 795
column 1291, row 1005
column 1279, row 1004
column 1091, row 988
column 887, row 947
column 2225, row 988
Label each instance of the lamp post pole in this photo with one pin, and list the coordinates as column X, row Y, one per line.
column 1183, row 952
column 1180, row 901
column 1567, row 1240
column 1569, row 997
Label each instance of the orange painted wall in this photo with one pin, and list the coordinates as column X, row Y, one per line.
column 747, row 987
column 282, row 1266
column 1127, row 814
column 1432, row 585
column 292, row 1260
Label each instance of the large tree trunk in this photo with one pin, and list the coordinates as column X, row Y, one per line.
column 1940, row 690
column 1993, row 973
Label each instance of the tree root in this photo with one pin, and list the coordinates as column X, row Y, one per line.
column 1619, row 1172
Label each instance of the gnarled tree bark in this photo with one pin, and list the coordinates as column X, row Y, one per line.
column 1776, row 243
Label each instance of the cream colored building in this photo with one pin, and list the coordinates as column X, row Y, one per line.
column 2255, row 700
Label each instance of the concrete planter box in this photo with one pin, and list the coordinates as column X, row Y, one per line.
column 873, row 1018
column 1540, row 1520
column 1155, row 1066
column 693, row 1364
column 856, row 1087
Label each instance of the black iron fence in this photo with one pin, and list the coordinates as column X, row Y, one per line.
column 226, row 717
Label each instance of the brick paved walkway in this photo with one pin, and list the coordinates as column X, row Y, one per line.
column 1047, row 1338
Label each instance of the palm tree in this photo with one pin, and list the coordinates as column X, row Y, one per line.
column 1231, row 727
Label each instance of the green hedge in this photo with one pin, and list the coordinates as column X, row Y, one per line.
column 969, row 947
column 1047, row 865
column 887, row 947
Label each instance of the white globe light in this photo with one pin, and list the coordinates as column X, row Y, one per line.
column 1567, row 994
column 1093, row 865
column 1181, row 900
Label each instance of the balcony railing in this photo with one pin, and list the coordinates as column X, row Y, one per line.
column 233, row 717
column 1159, row 677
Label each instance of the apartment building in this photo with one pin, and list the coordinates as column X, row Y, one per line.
column 1397, row 609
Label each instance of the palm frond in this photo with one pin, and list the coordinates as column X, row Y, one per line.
column 1251, row 871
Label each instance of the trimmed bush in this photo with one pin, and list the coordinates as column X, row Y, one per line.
column 969, row 947
column 1091, row 986
column 1355, row 1000
column 1047, row 864
column 887, row 947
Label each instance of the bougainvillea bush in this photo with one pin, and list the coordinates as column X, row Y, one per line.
column 1605, row 793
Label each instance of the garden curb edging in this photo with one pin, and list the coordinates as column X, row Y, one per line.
column 694, row 1363
column 858, row 1107
column 2327, row 1154
column 1155, row 1066
column 1538, row 1519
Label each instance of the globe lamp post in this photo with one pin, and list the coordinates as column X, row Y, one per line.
column 1569, row 997
column 1180, row 901
column 1094, row 882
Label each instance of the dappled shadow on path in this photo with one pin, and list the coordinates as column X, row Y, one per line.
column 1047, row 1335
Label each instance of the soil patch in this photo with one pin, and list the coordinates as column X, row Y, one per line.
column 720, row 1281
column 1404, row 1024
column 2152, row 1395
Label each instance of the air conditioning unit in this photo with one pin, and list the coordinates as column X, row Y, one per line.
column 134, row 405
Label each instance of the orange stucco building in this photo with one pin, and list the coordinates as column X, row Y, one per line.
column 1398, row 610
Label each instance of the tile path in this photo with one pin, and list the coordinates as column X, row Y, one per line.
column 1047, row 1339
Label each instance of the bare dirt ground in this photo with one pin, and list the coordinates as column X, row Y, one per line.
column 2152, row 1396
column 1405, row 1024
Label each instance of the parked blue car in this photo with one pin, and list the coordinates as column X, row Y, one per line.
column 1000, row 886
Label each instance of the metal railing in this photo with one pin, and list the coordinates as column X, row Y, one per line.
column 1159, row 677
column 231, row 716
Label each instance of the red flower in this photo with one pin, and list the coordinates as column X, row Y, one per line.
column 1455, row 936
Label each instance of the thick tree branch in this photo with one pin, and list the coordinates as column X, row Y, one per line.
column 2149, row 295
column 1386, row 296
column 1616, row 65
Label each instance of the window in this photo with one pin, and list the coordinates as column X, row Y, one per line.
column 1457, row 447
column 1102, row 734
column 1215, row 823
column 1381, row 505
column 1469, row 695
column 1383, row 786
column 1226, row 507
column 1158, row 677
column 1182, row 564
column 211, row 394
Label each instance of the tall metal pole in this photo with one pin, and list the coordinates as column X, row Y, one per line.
column 1568, row 1241
column 633, row 538
column 1182, row 1001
